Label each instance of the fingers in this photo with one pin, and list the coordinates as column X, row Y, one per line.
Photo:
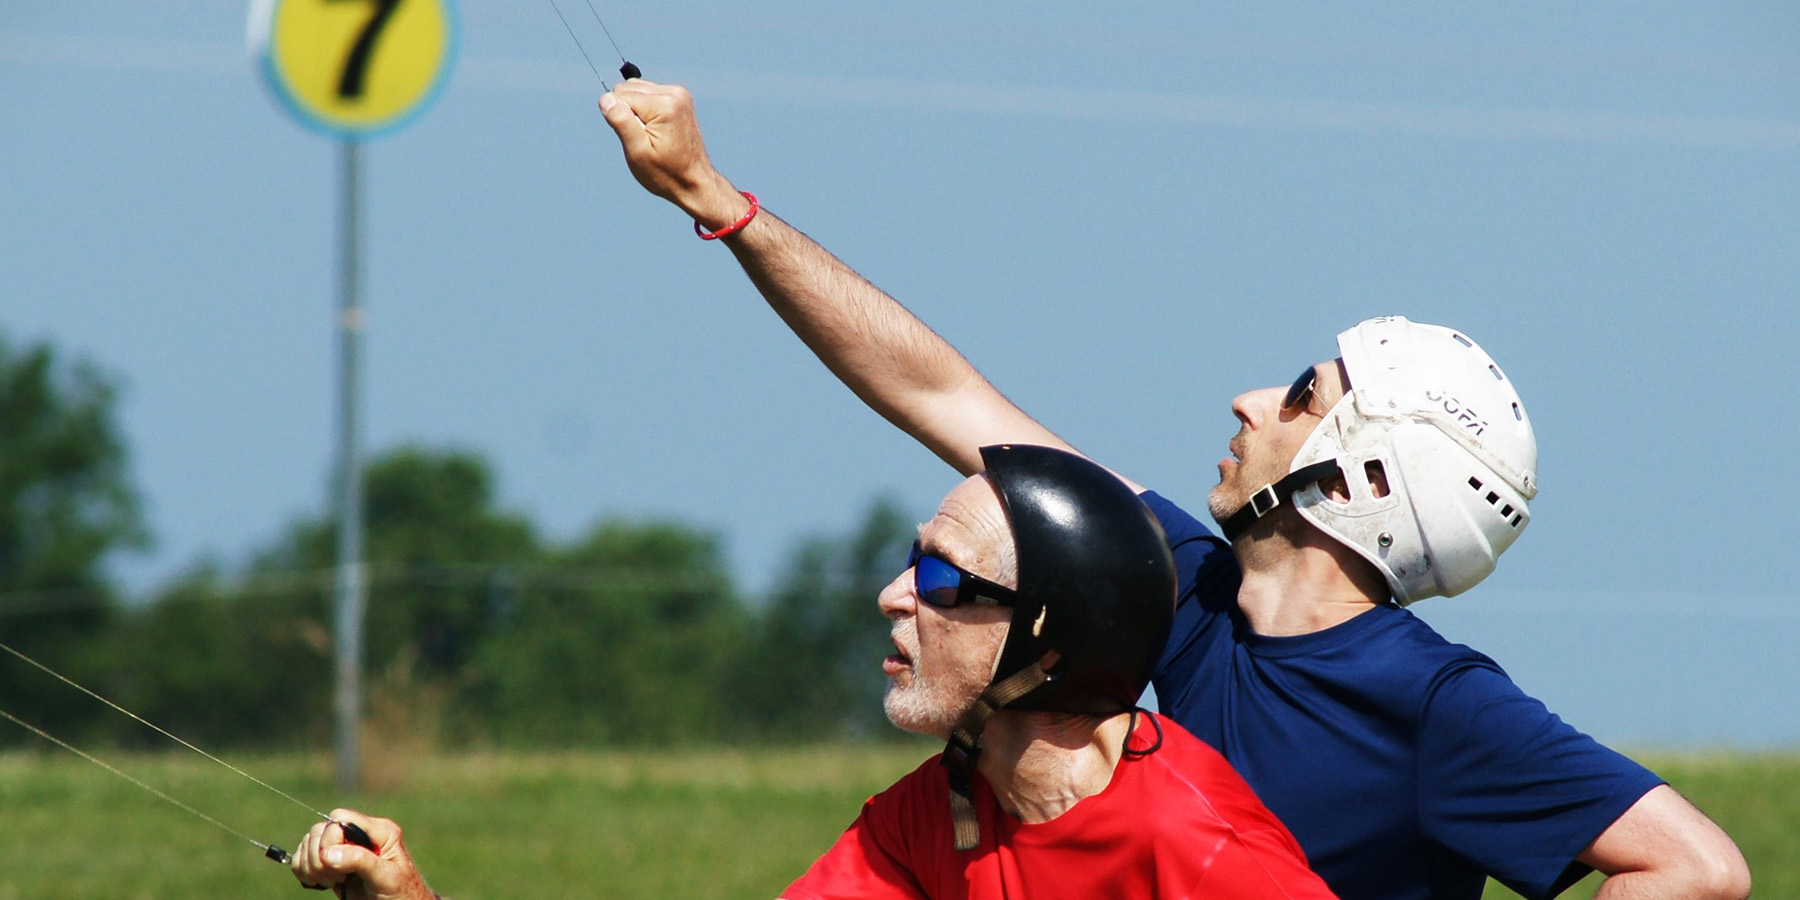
column 308, row 863
column 636, row 106
column 660, row 135
column 624, row 121
column 326, row 857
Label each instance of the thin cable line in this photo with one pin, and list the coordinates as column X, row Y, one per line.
column 102, row 764
column 607, row 31
column 65, row 680
column 578, row 46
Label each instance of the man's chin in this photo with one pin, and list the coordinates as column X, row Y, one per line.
column 912, row 726
column 907, row 712
column 1219, row 505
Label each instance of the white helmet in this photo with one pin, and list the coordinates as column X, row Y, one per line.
column 1436, row 451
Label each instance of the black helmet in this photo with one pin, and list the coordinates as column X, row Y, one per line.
column 1096, row 587
column 1096, row 580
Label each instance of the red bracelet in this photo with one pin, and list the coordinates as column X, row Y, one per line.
column 734, row 227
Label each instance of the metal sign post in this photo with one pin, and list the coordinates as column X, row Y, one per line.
column 351, row 594
column 352, row 69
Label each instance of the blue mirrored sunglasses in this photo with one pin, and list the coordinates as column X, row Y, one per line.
column 941, row 584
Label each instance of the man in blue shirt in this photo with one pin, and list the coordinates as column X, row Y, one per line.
column 1407, row 766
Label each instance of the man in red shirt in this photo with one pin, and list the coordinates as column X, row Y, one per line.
column 1034, row 607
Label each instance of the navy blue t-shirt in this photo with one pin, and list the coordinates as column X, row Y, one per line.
column 1407, row 766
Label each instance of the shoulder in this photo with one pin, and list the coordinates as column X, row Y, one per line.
column 1189, row 765
column 915, row 789
column 1463, row 703
column 1478, row 714
column 901, row 816
column 1188, row 772
column 1175, row 520
column 1386, row 658
column 1483, row 738
column 1201, row 801
column 1204, row 562
column 1182, row 529
column 893, row 850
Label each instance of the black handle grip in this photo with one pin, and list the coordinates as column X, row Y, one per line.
column 355, row 835
column 630, row 70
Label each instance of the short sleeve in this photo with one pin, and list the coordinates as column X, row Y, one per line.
column 1512, row 788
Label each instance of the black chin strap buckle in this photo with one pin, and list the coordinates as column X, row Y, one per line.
column 1264, row 500
column 1270, row 497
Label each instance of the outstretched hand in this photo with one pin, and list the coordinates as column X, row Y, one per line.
column 661, row 138
column 326, row 859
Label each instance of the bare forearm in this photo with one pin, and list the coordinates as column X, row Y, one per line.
column 1655, row 886
column 876, row 347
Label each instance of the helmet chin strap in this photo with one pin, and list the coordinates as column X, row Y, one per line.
column 1270, row 497
column 964, row 748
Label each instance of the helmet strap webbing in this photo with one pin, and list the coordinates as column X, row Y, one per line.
column 1271, row 496
column 964, row 748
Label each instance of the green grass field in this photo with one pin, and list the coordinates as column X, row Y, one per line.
column 672, row 826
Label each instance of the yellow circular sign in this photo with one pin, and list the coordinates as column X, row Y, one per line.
column 354, row 67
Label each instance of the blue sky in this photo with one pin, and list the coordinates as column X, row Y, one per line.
column 1123, row 215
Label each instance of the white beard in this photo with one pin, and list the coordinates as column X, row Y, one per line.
column 919, row 707
column 933, row 704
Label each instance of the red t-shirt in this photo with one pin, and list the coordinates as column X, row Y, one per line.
column 1176, row 823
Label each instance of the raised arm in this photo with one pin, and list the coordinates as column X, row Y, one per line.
column 894, row 362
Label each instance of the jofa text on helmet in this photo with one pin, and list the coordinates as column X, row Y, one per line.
column 1470, row 420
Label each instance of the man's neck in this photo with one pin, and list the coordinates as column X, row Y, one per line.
column 1041, row 764
column 1298, row 581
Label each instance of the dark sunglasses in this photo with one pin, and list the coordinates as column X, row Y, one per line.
column 1299, row 396
column 943, row 585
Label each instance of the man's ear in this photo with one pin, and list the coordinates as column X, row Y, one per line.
column 1335, row 489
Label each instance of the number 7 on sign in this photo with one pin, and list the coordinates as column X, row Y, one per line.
column 356, row 62
column 353, row 68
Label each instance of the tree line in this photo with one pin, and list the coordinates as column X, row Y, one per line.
column 480, row 631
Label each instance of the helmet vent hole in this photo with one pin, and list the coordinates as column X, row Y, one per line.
column 1378, row 483
column 1461, row 340
column 1496, row 370
column 1507, row 513
column 1518, row 413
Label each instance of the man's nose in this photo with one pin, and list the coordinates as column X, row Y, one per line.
column 1253, row 407
column 898, row 599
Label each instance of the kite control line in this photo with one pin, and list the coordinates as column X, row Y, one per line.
column 352, row 832
column 627, row 68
